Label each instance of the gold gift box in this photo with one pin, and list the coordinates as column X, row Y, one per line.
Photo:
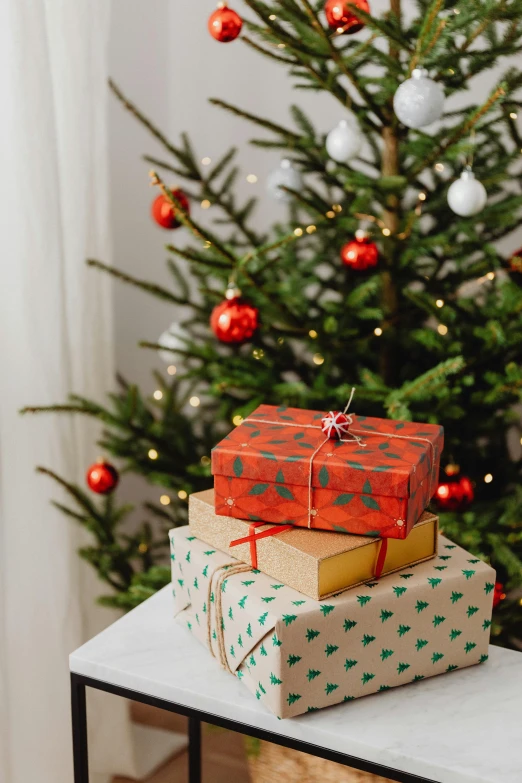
column 314, row 562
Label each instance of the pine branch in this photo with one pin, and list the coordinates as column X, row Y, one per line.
column 145, row 285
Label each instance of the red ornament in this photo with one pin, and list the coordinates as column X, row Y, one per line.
column 498, row 594
column 515, row 262
column 102, row 477
column 360, row 253
column 340, row 16
column 455, row 492
column 224, row 24
column 335, row 424
column 163, row 212
column 234, row 320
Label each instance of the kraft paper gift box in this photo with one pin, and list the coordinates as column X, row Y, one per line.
column 277, row 466
column 315, row 562
column 296, row 654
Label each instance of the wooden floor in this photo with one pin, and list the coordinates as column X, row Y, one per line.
column 224, row 759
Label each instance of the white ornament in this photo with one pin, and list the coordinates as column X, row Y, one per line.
column 345, row 140
column 175, row 337
column 467, row 196
column 285, row 175
column 419, row 101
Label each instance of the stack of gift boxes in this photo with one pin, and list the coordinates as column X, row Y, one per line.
column 312, row 570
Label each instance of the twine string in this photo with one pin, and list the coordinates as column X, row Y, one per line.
column 228, row 570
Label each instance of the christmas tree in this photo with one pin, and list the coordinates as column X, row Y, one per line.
column 383, row 272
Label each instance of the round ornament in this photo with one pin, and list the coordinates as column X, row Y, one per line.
column 498, row 594
column 163, row 212
column 102, row 477
column 224, row 24
column 234, row 320
column 360, row 253
column 175, row 338
column 285, row 175
column 341, row 17
column 467, row 196
column 515, row 262
column 345, row 140
column 419, row 101
column 454, row 493
column 335, row 424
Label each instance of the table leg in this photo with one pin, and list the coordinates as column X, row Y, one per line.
column 194, row 750
column 79, row 730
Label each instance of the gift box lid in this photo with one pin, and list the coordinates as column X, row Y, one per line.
column 277, row 445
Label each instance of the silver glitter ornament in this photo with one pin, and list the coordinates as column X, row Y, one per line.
column 285, row 175
column 419, row 101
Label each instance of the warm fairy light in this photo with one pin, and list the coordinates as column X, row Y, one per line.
column 456, row 11
column 451, row 71
column 422, row 196
column 237, row 420
column 252, row 178
column 280, row 340
column 205, row 461
column 194, row 401
column 272, row 17
column 206, row 161
column 153, row 454
column 182, row 495
column 158, row 394
column 171, row 369
column 440, row 302
column 439, row 167
column 311, row 229
column 337, row 208
column 490, row 275
column 377, row 331
column 281, row 46
column 207, row 244
column 340, row 30
column 488, row 478
column 442, row 329
column 313, row 334
column 386, row 232
column 298, row 232
column 318, row 359
column 205, row 204
column 330, row 214
column 258, row 353
column 143, row 548
column 513, row 115
column 164, row 500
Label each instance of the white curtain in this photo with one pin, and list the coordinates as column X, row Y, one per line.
column 55, row 336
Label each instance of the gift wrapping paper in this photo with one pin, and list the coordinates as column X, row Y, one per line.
column 296, row 654
column 262, row 471
column 318, row 563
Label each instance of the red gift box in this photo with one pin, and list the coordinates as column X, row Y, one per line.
column 277, row 466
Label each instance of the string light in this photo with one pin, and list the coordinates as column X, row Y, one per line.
column 451, row 71
column 142, row 548
column 311, row 229
column 280, row 340
column 313, row 334
column 205, row 461
column 386, row 232
column 237, row 420
column 513, row 115
column 490, row 275
column 182, row 495
column 488, row 478
column 377, row 331
column 206, row 161
column 194, row 401
column 171, row 369
column 153, row 454
column 439, row 167
column 272, row 17
column 440, row 302
column 164, row 500
column 281, row 46
column 207, row 244
column 258, row 353
column 158, row 394
column 521, row 441
column 337, row 208
column 340, row 30
column 422, row 196
column 205, row 204
column 298, row 232
column 252, row 178
column 442, row 329
column 318, row 359
column 330, row 214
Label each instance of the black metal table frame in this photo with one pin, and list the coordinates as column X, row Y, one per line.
column 196, row 717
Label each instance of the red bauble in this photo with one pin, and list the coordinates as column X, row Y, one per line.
column 515, row 262
column 498, row 594
column 335, row 424
column 360, row 253
column 163, row 212
column 102, row 477
column 454, row 493
column 234, row 320
column 224, row 24
column 341, row 17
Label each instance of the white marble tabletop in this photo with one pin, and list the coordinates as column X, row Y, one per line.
column 463, row 727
